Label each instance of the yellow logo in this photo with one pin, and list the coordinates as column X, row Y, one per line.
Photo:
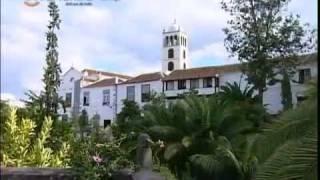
column 31, row 3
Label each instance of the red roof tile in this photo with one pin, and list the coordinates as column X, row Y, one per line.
column 102, row 83
column 92, row 72
column 145, row 78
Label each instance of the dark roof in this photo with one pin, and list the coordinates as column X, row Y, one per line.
column 145, row 77
column 92, row 71
column 102, row 83
column 211, row 71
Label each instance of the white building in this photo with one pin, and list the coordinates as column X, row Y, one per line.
column 139, row 88
column 102, row 93
column 90, row 90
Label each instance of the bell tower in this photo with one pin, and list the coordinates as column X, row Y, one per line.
column 175, row 52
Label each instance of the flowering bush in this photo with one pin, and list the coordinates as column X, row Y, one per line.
column 94, row 161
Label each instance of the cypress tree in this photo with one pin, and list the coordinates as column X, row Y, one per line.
column 52, row 70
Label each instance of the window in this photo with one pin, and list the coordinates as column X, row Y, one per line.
column 207, row 82
column 71, row 79
column 145, row 92
column 171, row 41
column 68, row 100
column 86, row 98
column 184, row 66
column 175, row 41
column 170, row 66
column 170, row 85
column 194, row 83
column 182, row 84
column 106, row 123
column 166, row 41
column 170, row 53
column 130, row 93
column 304, row 75
column 184, row 54
column 106, row 97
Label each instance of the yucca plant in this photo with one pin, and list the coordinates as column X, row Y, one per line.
column 22, row 147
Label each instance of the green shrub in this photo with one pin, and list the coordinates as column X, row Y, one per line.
column 22, row 147
column 94, row 161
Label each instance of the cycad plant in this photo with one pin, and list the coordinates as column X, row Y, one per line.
column 287, row 149
column 198, row 134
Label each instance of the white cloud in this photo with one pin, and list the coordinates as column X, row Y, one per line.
column 11, row 99
column 123, row 36
column 214, row 51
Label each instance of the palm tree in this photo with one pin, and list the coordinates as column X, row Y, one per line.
column 198, row 132
column 287, row 149
column 234, row 92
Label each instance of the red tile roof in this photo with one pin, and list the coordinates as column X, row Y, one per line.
column 93, row 72
column 102, row 83
column 145, row 78
column 211, row 71
column 201, row 72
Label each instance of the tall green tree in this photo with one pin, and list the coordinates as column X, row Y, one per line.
column 290, row 40
column 52, row 70
column 259, row 31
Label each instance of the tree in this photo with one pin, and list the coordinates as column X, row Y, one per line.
column 291, row 151
column 83, row 123
column 129, row 115
column 51, row 77
column 259, row 32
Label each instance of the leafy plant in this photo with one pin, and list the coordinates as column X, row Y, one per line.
column 92, row 160
column 21, row 146
column 200, row 132
column 291, row 151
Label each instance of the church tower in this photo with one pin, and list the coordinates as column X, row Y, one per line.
column 175, row 52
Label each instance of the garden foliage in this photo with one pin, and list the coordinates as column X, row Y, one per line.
column 21, row 147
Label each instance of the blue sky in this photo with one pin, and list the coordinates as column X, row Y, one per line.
column 119, row 36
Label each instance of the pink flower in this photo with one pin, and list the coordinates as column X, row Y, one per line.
column 97, row 159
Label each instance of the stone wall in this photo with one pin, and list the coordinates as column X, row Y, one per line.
column 35, row 174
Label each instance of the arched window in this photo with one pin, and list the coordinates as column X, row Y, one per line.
column 175, row 41
column 166, row 42
column 170, row 66
column 184, row 66
column 181, row 39
column 171, row 41
column 184, row 54
column 170, row 53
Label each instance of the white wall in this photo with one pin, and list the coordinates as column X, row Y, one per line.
column 155, row 86
column 106, row 112
column 68, row 86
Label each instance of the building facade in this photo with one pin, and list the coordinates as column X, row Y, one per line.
column 102, row 93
